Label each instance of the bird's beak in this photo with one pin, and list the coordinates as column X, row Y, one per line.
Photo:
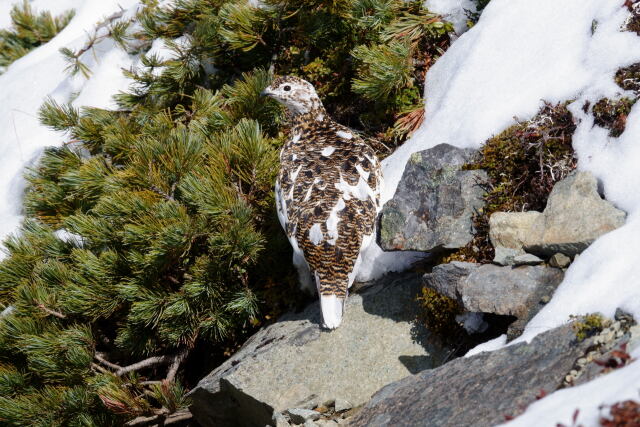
column 265, row 92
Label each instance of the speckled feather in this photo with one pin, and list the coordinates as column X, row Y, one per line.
column 328, row 196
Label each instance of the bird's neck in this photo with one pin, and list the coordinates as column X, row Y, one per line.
column 316, row 114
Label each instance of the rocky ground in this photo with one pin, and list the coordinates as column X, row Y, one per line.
column 383, row 367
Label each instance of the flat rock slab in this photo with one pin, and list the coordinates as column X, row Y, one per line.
column 295, row 364
column 433, row 206
column 511, row 291
column 479, row 390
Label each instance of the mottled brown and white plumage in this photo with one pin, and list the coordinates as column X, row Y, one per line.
column 327, row 195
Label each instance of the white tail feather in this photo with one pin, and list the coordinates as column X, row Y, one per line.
column 332, row 307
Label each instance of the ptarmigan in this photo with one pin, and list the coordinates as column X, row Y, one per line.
column 327, row 195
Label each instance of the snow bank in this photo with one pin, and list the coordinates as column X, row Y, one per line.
column 520, row 53
column 41, row 73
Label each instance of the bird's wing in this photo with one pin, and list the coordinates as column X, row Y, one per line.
column 333, row 195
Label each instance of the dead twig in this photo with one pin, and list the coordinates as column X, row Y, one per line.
column 51, row 312
column 100, row 358
column 152, row 361
column 175, row 365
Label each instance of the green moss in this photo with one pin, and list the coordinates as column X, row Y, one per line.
column 589, row 325
column 612, row 114
column 439, row 313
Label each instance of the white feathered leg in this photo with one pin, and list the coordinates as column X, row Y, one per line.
column 304, row 272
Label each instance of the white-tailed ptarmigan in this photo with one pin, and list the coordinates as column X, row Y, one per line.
column 327, row 195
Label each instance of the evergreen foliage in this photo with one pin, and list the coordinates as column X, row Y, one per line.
column 28, row 31
column 151, row 235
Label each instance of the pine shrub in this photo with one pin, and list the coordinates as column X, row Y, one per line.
column 28, row 31
column 151, row 239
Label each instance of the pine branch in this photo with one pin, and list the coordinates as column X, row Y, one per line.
column 161, row 419
column 175, row 365
column 51, row 312
column 100, row 368
column 116, row 31
column 146, row 421
column 100, row 358
column 179, row 416
column 147, row 363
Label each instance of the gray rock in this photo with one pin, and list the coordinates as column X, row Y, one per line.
column 279, row 420
column 559, row 260
column 489, row 288
column 342, row 405
column 433, row 206
column 507, row 232
column 310, row 423
column 575, row 216
column 634, row 341
column 299, row 415
column 473, row 323
column 479, row 390
column 327, row 423
column 527, row 259
column 294, row 361
column 505, row 256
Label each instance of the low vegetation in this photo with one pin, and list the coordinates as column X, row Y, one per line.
column 523, row 163
column 151, row 247
column 28, row 30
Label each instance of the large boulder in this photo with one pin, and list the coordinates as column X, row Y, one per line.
column 434, row 203
column 484, row 389
column 486, row 288
column 295, row 364
column 575, row 216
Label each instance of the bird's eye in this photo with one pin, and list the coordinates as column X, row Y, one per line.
column 287, row 88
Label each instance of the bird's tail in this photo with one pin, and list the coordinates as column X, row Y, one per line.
column 332, row 308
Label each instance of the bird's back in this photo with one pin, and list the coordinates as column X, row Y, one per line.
column 328, row 198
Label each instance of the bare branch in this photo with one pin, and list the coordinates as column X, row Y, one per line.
column 99, row 368
column 175, row 365
column 145, row 421
column 178, row 416
column 51, row 312
column 152, row 361
column 100, row 358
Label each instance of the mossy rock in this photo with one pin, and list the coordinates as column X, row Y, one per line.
column 589, row 325
column 523, row 163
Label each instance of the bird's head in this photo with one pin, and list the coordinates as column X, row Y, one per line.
column 298, row 95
